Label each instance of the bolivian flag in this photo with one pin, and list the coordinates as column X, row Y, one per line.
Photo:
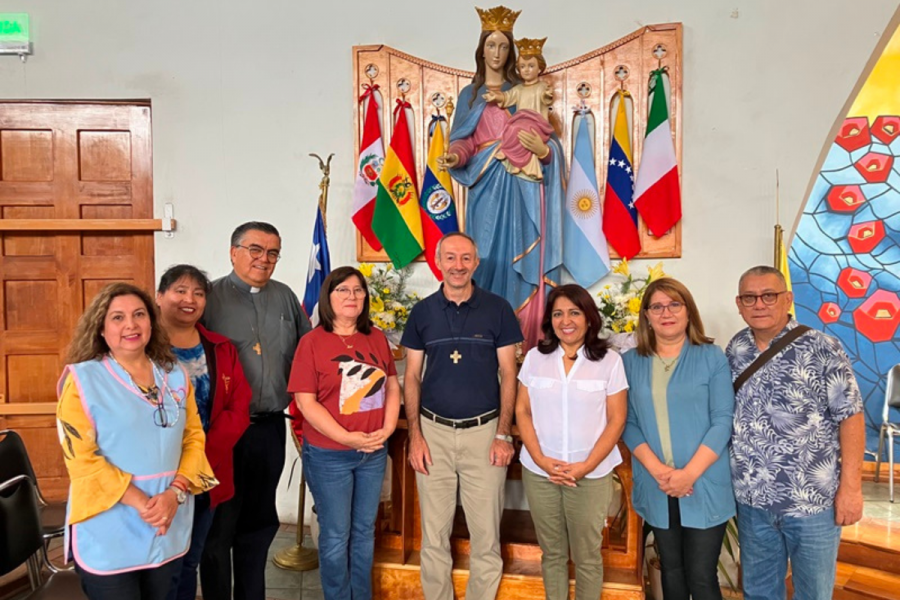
column 397, row 220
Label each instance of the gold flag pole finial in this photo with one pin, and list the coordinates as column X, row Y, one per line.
column 325, row 167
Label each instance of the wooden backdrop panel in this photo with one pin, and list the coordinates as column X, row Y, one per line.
column 596, row 68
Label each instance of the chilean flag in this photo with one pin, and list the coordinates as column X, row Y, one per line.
column 319, row 268
column 436, row 200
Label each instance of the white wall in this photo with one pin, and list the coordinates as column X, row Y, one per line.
column 241, row 95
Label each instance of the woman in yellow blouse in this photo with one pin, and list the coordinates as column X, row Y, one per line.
column 134, row 448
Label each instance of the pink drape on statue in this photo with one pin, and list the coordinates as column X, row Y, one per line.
column 523, row 120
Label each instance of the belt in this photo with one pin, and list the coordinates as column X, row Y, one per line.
column 461, row 423
column 262, row 417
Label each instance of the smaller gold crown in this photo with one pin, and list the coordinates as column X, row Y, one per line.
column 498, row 18
column 530, row 47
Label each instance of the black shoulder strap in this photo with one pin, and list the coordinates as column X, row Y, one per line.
column 766, row 356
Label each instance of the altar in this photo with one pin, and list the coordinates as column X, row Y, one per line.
column 398, row 538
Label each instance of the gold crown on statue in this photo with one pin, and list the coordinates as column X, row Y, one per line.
column 498, row 18
column 530, row 46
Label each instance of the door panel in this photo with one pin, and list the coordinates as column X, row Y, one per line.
column 69, row 161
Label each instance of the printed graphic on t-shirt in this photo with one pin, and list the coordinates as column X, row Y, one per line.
column 362, row 385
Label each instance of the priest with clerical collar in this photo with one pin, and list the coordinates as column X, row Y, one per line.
column 264, row 319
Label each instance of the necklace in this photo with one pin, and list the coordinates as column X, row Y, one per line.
column 455, row 356
column 667, row 366
column 154, row 395
column 345, row 338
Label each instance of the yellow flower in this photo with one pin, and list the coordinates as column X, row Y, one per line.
column 386, row 290
column 616, row 327
column 376, row 304
column 634, row 306
column 656, row 272
column 629, row 326
column 622, row 268
column 366, row 269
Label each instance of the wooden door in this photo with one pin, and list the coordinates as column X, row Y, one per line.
column 75, row 207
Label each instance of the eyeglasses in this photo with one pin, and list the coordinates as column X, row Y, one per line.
column 345, row 292
column 768, row 298
column 658, row 309
column 257, row 252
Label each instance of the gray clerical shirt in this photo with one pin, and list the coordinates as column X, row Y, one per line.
column 266, row 325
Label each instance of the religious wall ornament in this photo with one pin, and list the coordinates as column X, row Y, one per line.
column 590, row 85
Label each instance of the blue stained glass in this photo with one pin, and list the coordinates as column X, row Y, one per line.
column 820, row 251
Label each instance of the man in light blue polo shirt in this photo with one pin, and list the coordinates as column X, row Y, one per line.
column 460, row 417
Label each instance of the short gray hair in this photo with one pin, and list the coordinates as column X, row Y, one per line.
column 762, row 271
column 437, row 249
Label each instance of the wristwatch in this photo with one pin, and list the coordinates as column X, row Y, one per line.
column 180, row 494
column 504, row 438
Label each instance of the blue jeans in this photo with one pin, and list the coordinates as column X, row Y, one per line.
column 769, row 540
column 346, row 488
column 184, row 583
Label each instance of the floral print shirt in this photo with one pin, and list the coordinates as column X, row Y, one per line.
column 785, row 454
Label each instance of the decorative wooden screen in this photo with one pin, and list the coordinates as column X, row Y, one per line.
column 639, row 53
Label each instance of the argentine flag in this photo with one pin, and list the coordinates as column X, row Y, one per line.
column 585, row 253
column 319, row 268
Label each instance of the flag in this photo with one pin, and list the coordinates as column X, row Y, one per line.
column 657, row 192
column 436, row 199
column 397, row 220
column 318, row 270
column 784, row 268
column 371, row 160
column 619, row 214
column 585, row 253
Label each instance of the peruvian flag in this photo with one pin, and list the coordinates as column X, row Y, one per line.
column 657, row 191
column 371, row 159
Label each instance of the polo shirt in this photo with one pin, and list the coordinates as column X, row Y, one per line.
column 460, row 342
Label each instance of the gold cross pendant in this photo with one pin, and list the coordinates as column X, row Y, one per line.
column 257, row 348
column 456, row 356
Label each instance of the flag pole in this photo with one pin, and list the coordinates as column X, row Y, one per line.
column 297, row 557
column 779, row 232
column 325, row 167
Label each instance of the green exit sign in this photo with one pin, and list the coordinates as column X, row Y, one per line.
column 15, row 33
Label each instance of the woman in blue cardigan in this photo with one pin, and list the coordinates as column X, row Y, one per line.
column 680, row 405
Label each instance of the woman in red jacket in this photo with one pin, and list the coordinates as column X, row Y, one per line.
column 223, row 399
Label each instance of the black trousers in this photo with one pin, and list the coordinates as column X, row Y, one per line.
column 689, row 558
column 143, row 584
column 243, row 528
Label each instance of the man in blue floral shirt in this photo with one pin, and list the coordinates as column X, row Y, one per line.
column 797, row 447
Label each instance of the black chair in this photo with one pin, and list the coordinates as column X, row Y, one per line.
column 14, row 461
column 891, row 400
column 22, row 541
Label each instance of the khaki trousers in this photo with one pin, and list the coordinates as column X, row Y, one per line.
column 463, row 456
column 567, row 519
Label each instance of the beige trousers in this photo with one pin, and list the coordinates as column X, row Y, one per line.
column 567, row 519
column 463, row 456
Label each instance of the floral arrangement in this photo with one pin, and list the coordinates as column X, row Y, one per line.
column 389, row 302
column 620, row 303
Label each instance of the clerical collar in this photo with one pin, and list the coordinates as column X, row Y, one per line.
column 242, row 285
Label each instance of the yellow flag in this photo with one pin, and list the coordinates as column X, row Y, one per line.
column 783, row 267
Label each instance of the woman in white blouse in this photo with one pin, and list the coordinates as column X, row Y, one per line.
column 571, row 410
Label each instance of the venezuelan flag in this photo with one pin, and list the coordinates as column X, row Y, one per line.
column 620, row 217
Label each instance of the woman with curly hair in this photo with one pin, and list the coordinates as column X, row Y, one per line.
column 134, row 448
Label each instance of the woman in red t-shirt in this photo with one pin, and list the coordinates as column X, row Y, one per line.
column 345, row 384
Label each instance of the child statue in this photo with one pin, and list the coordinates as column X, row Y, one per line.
column 532, row 99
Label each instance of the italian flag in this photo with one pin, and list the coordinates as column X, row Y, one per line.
column 397, row 220
column 657, row 191
column 368, row 170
